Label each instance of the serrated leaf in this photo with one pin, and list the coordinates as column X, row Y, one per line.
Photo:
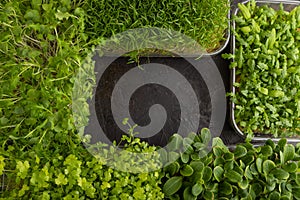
column 172, row 185
column 218, row 173
column 61, row 180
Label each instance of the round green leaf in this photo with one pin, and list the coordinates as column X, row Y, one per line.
column 244, row 184
column 268, row 165
column 197, row 189
column 172, row 168
column 205, row 135
column 290, row 167
column 207, row 174
column 280, row 173
column 172, row 185
column 187, row 194
column 274, row 195
column 197, row 165
column 233, row 176
column 187, row 170
column 175, row 142
column 225, row 188
column 218, row 173
column 184, row 157
column 288, row 152
column 228, row 156
column 259, row 162
column 240, row 151
column 219, row 161
column 266, row 151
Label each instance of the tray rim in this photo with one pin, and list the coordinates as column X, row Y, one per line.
column 256, row 138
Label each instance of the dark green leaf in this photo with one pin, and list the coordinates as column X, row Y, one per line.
column 225, row 188
column 244, row 184
column 248, row 173
column 268, row 165
column 172, row 168
column 172, row 185
column 197, row 189
column 274, row 195
column 259, row 163
column 290, row 167
column 288, row 152
column 240, row 151
column 266, row 150
column 207, row 174
column 280, row 173
column 218, row 173
column 233, row 176
column 197, row 165
column 184, row 157
column 188, row 195
column 228, row 156
column 187, row 170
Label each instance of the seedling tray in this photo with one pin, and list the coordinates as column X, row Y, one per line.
column 259, row 138
column 191, row 53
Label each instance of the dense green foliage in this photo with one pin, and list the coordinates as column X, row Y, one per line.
column 267, row 172
column 205, row 21
column 42, row 44
column 266, row 61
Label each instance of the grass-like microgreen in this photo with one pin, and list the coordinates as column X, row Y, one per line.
column 205, row 21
